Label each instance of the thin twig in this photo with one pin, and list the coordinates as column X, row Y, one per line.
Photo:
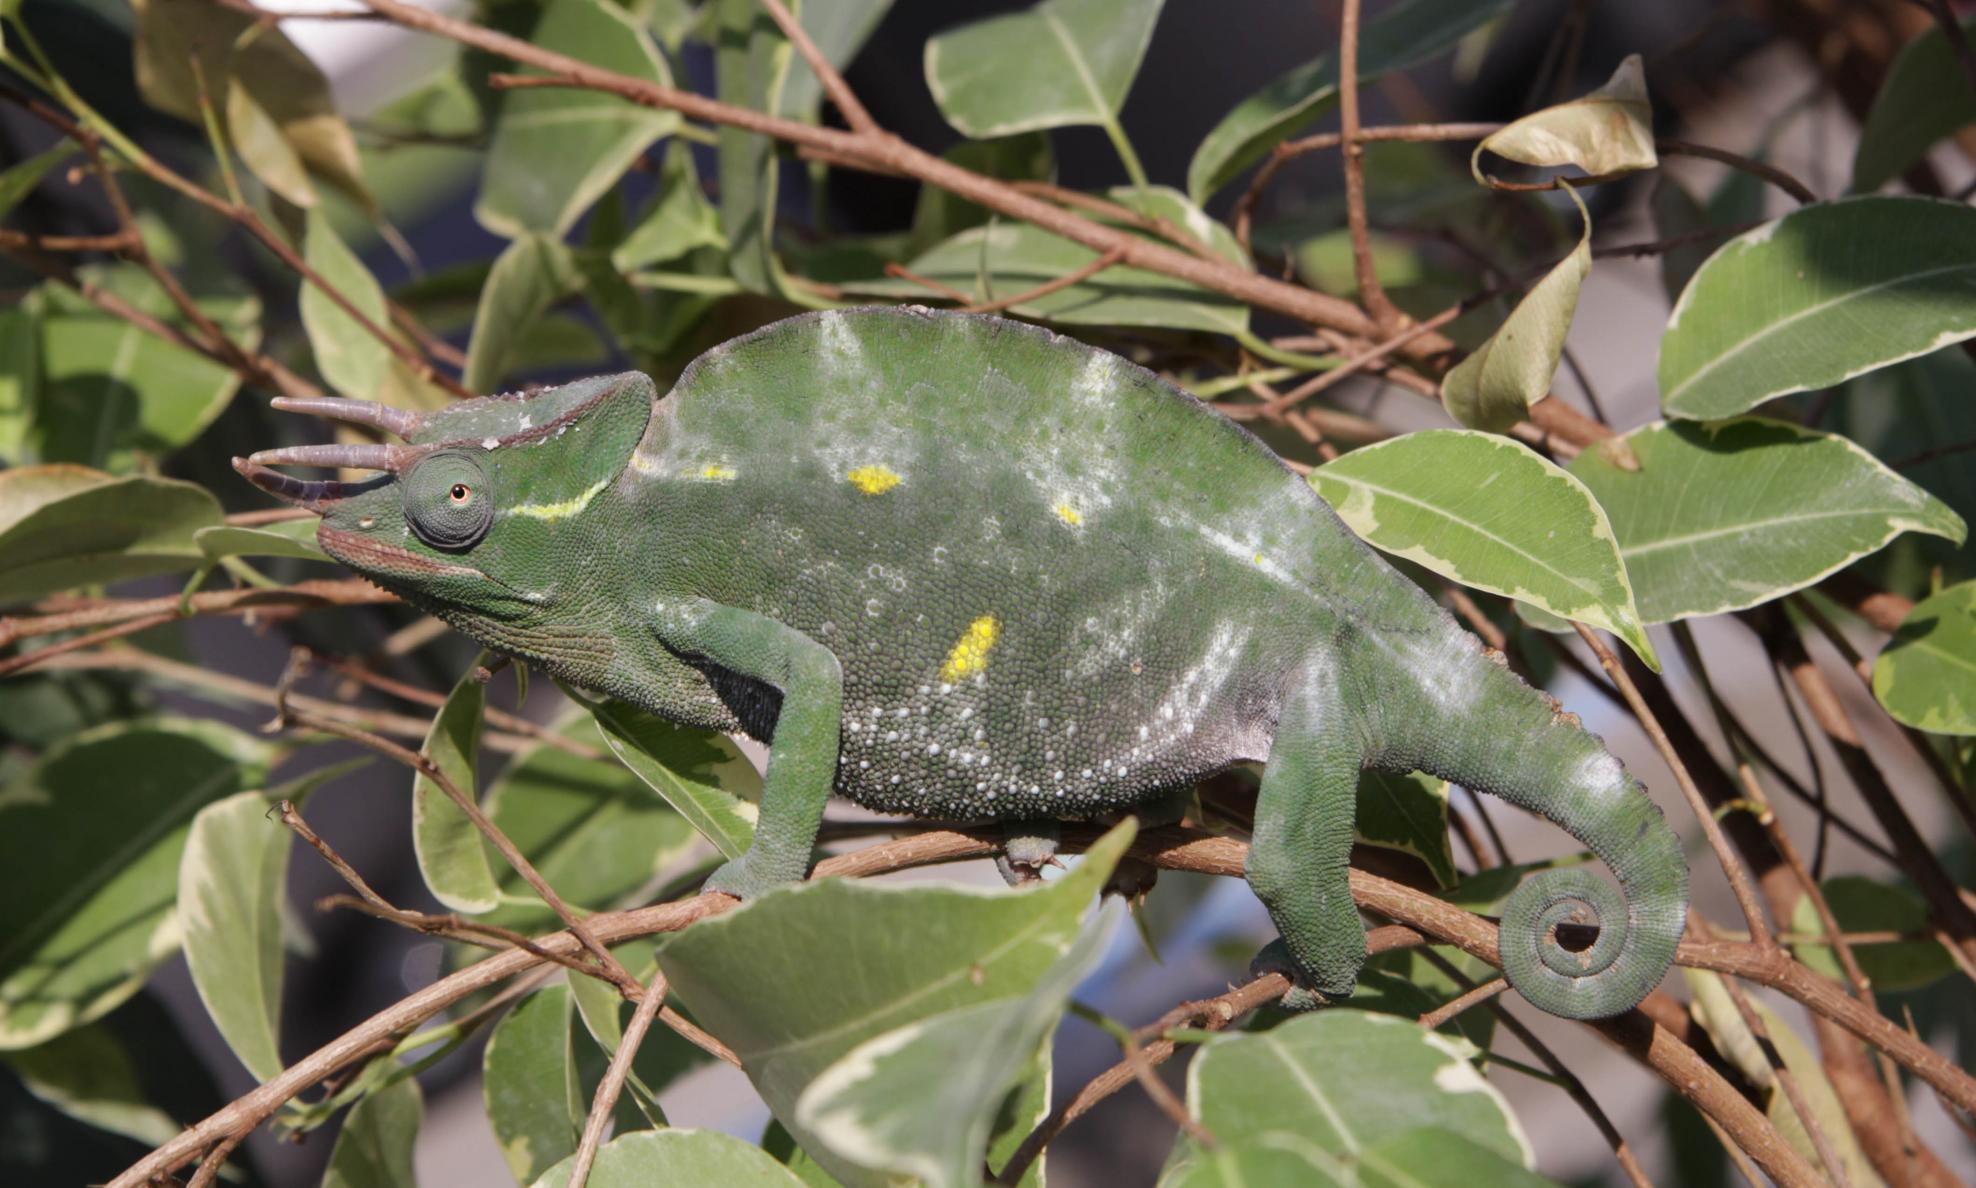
column 1048, row 287
column 1468, row 998
column 1763, row 169
column 840, row 93
column 608, row 1089
column 1382, row 309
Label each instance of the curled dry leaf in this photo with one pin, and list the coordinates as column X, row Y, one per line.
column 1606, row 132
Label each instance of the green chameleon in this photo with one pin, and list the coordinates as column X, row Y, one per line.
column 957, row 566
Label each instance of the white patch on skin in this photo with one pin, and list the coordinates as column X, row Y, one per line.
column 560, row 510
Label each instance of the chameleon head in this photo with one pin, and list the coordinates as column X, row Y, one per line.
column 467, row 517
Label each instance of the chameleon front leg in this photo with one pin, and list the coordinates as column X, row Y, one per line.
column 802, row 757
column 1302, row 846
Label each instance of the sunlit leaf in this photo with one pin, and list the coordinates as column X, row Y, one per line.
column 531, row 274
column 1608, row 131
column 20, row 381
column 451, row 854
column 1059, row 63
column 1487, row 512
column 682, row 1157
column 1797, row 304
column 1926, row 676
column 1494, row 387
column 64, row 526
column 535, row 1100
column 555, row 150
column 1408, row 813
column 922, row 1099
column 232, row 881
column 350, row 357
column 1862, row 905
column 283, row 538
column 839, row 28
column 1924, row 97
column 680, row 220
column 1406, row 34
column 795, row 980
column 374, row 1148
column 698, row 772
column 283, row 107
column 90, row 841
column 1727, row 515
column 1346, row 1082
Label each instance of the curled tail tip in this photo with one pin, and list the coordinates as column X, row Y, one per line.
column 1634, row 945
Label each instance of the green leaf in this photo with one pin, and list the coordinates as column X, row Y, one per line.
column 1434, row 1157
column 111, row 390
column 751, row 67
column 1608, row 131
column 530, row 275
column 1862, row 905
column 1926, row 676
column 777, row 1141
column 1274, row 1159
column 1346, row 1082
column 451, row 854
column 1728, row 515
column 20, row 381
column 920, row 1100
column 535, row 1100
column 64, row 526
column 374, row 1149
column 1796, row 304
column 1905, row 414
column 283, row 538
column 839, row 28
column 1005, row 259
column 1497, row 383
column 662, row 1059
column 1406, row 34
column 1717, row 1014
column 87, row 1074
column 1058, row 64
column 556, row 150
column 590, row 826
column 682, row 1157
column 18, row 180
column 232, row 883
column 795, row 980
column 679, row 221
column 1489, row 513
column 350, row 357
column 1408, row 813
column 1925, row 97
column 280, row 112
column 90, row 840
column 699, row 773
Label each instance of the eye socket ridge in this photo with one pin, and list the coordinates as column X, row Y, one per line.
column 448, row 501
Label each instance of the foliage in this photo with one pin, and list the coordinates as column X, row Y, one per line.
column 213, row 223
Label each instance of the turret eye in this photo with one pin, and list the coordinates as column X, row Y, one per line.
column 447, row 502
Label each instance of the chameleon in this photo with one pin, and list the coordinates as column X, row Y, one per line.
column 952, row 565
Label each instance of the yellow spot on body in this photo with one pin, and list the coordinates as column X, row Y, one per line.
column 560, row 510
column 1068, row 514
column 874, row 480
column 970, row 654
column 1258, row 558
column 717, row 474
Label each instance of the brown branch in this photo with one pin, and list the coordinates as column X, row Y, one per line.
column 1573, row 1086
column 895, row 269
column 840, row 93
column 1289, row 150
column 1732, row 866
column 1048, row 287
column 298, row 596
column 608, row 1089
column 1461, row 1002
column 1384, row 313
column 1762, row 169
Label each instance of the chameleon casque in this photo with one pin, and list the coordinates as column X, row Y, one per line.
column 953, row 565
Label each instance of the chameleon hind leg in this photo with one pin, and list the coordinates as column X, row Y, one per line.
column 1027, row 847
column 1302, row 846
column 802, row 757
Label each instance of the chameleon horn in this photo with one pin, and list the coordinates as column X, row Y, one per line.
column 398, row 421
column 315, row 495
column 358, row 457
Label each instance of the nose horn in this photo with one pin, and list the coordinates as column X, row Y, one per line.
column 397, row 421
column 356, row 457
column 316, row 495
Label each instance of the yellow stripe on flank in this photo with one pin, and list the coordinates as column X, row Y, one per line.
column 561, row 510
column 717, row 474
column 874, row 480
column 970, row 654
column 1068, row 514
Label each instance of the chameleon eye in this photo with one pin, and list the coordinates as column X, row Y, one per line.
column 446, row 501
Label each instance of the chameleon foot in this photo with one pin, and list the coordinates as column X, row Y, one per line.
column 1301, row 996
column 1027, row 847
column 747, row 878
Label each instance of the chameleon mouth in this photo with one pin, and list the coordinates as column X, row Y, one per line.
column 370, row 555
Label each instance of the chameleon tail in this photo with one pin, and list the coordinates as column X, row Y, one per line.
column 1480, row 726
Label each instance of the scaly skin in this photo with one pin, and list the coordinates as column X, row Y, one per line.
column 958, row 566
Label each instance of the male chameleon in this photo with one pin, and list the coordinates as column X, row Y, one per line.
column 958, row 566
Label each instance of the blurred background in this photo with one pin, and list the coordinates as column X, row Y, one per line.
column 1761, row 78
